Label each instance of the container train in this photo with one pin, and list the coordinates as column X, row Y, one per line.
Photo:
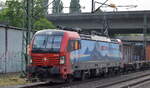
column 64, row 55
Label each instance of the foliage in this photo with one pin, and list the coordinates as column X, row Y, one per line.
column 57, row 7
column 14, row 13
column 39, row 8
column 39, row 12
column 43, row 23
column 75, row 6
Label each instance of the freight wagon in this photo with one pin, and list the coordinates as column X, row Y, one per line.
column 148, row 52
column 65, row 55
column 133, row 56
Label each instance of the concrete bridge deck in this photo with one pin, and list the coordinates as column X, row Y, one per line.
column 119, row 22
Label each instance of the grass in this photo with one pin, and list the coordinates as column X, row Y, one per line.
column 11, row 79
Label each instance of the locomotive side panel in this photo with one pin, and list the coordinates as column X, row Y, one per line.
column 96, row 54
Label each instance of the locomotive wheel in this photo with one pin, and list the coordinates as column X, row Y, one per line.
column 83, row 75
column 69, row 79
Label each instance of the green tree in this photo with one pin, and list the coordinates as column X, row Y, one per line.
column 38, row 16
column 14, row 13
column 38, row 9
column 57, row 7
column 75, row 6
column 43, row 23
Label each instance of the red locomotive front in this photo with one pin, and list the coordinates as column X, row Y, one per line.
column 49, row 54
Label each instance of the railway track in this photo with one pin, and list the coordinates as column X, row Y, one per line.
column 119, row 81
column 126, row 83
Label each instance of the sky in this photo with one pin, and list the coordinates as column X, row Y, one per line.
column 86, row 5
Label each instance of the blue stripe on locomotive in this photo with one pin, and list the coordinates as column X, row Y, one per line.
column 96, row 50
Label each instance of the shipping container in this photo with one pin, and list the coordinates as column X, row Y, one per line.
column 148, row 52
column 132, row 53
column 128, row 53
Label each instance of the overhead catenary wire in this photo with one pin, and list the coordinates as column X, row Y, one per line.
column 101, row 5
column 114, row 6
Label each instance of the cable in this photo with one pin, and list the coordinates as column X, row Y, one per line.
column 101, row 5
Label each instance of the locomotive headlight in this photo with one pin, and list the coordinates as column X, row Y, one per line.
column 45, row 59
column 30, row 60
column 62, row 60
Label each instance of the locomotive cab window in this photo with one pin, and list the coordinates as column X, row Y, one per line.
column 74, row 45
column 46, row 43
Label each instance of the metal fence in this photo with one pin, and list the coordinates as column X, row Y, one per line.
column 11, row 49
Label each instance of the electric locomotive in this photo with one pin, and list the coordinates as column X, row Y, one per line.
column 65, row 55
